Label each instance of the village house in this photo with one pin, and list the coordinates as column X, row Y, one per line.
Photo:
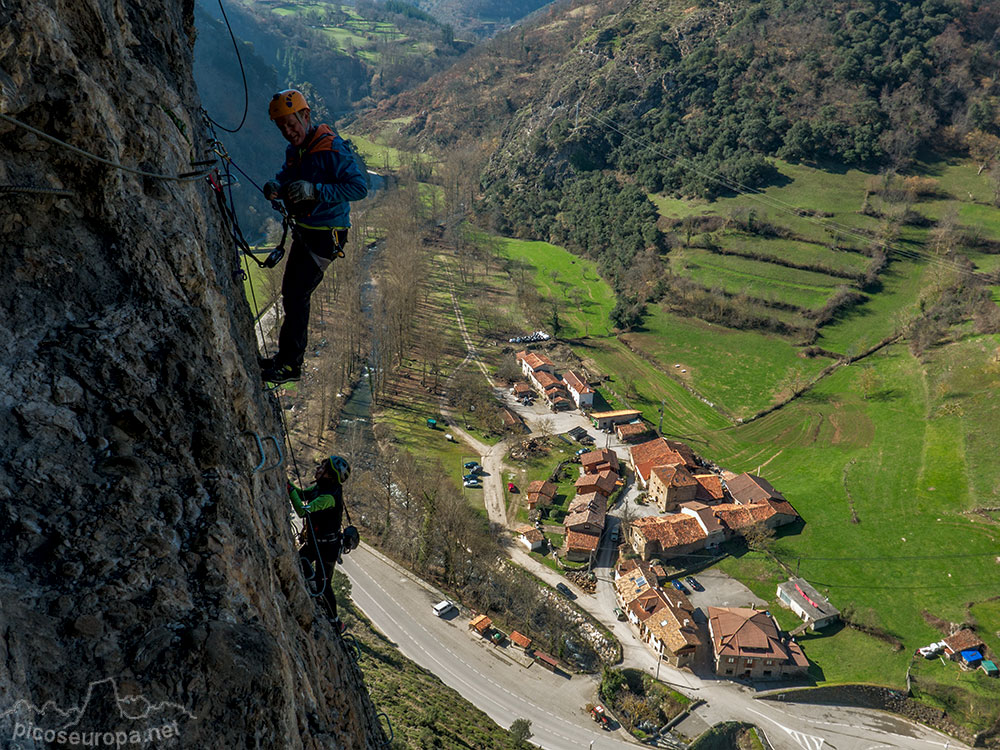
column 522, row 390
column 709, row 488
column 603, row 459
column 586, row 518
column 715, row 532
column 746, row 489
column 665, row 621
column 580, row 546
column 604, row 483
column 659, row 452
column 553, row 390
column 965, row 647
column 650, row 571
column 582, row 394
column 541, row 493
column 667, row 536
column 605, row 420
column 633, row 432
column 532, row 363
column 807, row 603
column 671, row 485
column 735, row 517
column 530, row 537
column 588, row 501
column 512, row 421
column 747, row 644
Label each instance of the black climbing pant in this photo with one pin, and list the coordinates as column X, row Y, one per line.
column 312, row 251
column 320, row 574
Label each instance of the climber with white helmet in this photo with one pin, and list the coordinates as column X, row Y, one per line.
column 317, row 182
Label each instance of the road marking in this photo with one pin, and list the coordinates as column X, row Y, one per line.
column 808, row 741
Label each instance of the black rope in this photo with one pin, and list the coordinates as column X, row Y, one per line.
column 185, row 177
column 246, row 90
column 36, row 191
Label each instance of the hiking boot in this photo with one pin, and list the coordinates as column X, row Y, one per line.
column 278, row 373
column 339, row 627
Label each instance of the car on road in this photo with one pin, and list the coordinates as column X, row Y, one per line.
column 679, row 586
column 563, row 589
column 443, row 607
column 694, row 584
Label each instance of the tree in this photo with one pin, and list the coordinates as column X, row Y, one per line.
column 983, row 147
column 758, row 536
column 520, row 731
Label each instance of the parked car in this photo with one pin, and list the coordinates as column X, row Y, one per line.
column 619, row 614
column 563, row 589
column 443, row 607
column 679, row 586
column 472, row 483
column 694, row 584
column 472, row 466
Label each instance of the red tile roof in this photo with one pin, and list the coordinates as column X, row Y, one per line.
column 530, row 533
column 592, row 459
column 547, row 379
column 738, row 631
column 541, row 487
column 747, row 488
column 521, row 388
column 963, row 640
column 711, row 487
column 519, row 640
column 660, row 452
column 481, row 623
column 584, row 517
column 734, row 516
column 577, row 383
column 534, row 360
column 673, row 475
column 631, row 430
column 671, row 531
column 580, row 541
column 604, row 483
column 591, row 500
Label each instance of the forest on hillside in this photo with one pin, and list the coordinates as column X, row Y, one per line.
column 695, row 102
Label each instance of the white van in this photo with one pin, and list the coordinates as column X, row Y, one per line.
column 442, row 608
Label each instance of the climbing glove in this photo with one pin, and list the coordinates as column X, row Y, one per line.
column 271, row 188
column 300, row 190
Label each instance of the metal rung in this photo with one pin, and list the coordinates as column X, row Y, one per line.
column 263, row 456
column 389, row 723
column 355, row 647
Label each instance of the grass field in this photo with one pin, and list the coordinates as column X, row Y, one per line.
column 913, row 458
column 585, row 299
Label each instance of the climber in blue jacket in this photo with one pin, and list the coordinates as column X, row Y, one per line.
column 317, row 182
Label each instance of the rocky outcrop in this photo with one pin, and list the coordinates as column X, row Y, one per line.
column 138, row 549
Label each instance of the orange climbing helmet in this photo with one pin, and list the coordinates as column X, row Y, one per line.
column 286, row 102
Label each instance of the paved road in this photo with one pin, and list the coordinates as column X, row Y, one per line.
column 499, row 683
column 495, row 680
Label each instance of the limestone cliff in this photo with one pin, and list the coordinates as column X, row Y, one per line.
column 138, row 550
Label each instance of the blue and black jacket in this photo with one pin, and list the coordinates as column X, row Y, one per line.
column 324, row 160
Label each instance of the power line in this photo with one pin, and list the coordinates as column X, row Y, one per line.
column 246, row 90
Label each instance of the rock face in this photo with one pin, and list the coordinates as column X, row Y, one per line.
column 137, row 546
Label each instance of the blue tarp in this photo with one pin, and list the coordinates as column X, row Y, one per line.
column 971, row 656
